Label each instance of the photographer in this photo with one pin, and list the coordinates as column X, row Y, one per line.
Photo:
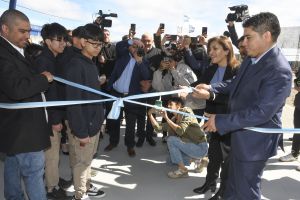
column 186, row 141
column 107, row 57
column 179, row 74
column 238, row 42
column 233, row 33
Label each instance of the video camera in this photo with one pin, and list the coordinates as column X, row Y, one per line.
column 102, row 22
column 241, row 13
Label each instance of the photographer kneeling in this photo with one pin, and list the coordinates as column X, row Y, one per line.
column 186, row 140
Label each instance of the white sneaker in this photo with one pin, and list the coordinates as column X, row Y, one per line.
column 85, row 197
column 288, row 158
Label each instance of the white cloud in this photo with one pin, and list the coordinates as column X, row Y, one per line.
column 287, row 11
column 61, row 8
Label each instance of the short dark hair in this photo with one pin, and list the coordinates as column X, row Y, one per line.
column 9, row 17
column 50, row 31
column 264, row 22
column 176, row 100
column 93, row 32
column 241, row 39
column 77, row 32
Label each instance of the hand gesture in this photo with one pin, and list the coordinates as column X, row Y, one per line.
column 57, row 127
column 48, row 75
column 201, row 91
column 183, row 95
column 210, row 125
column 202, row 40
column 84, row 141
column 160, row 31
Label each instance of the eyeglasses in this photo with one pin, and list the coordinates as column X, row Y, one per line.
column 95, row 44
column 60, row 39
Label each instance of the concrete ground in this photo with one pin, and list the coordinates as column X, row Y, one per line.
column 144, row 176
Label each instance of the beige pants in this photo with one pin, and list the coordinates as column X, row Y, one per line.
column 71, row 142
column 82, row 164
column 52, row 161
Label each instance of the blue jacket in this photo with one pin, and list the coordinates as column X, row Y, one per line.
column 256, row 99
column 140, row 71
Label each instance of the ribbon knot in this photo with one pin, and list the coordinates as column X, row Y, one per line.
column 116, row 109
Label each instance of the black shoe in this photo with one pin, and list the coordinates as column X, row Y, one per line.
column 57, row 194
column 95, row 155
column 64, row 184
column 140, row 142
column 151, row 141
column 204, row 188
column 95, row 192
column 131, row 152
column 219, row 194
column 109, row 147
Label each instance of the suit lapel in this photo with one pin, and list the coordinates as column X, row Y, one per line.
column 250, row 70
column 13, row 51
column 241, row 74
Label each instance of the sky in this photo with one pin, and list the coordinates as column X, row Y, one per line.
column 148, row 14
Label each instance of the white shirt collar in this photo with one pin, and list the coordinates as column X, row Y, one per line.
column 20, row 50
column 255, row 60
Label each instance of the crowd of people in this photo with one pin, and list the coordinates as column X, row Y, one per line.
column 232, row 93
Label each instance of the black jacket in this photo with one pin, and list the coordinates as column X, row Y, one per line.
column 220, row 104
column 47, row 62
column 153, row 56
column 85, row 119
column 21, row 130
column 109, row 54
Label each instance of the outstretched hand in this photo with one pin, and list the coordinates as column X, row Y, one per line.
column 201, row 91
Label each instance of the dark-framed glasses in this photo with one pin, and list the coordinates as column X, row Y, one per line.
column 60, row 39
column 95, row 44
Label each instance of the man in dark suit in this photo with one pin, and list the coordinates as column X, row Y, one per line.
column 257, row 96
column 127, row 79
column 24, row 133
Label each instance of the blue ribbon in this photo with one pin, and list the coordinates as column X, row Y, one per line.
column 82, row 87
column 118, row 103
column 48, row 104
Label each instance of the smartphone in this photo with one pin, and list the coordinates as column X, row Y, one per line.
column 132, row 27
column 162, row 26
column 204, row 31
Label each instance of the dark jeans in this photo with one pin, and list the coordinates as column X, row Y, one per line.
column 296, row 137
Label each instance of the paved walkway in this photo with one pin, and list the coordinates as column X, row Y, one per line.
column 144, row 177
